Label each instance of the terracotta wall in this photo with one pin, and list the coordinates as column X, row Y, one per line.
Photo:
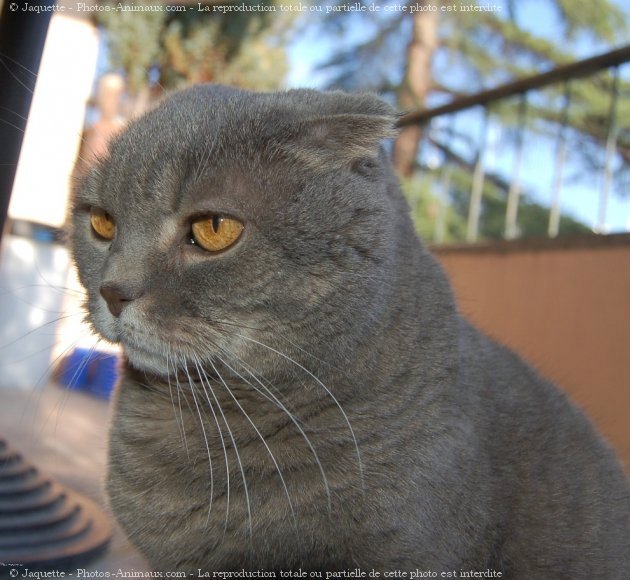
column 565, row 306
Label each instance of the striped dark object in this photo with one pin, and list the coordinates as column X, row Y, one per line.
column 44, row 525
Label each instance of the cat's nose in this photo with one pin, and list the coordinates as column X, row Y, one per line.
column 117, row 297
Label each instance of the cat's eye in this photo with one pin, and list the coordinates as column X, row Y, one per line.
column 102, row 223
column 215, row 233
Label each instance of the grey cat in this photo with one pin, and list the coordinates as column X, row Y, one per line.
column 299, row 390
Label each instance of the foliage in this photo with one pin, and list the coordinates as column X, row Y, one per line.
column 426, row 205
column 198, row 54
column 477, row 49
column 533, row 217
column 175, row 49
column 134, row 42
column 482, row 49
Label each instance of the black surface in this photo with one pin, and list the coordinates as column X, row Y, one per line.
column 22, row 38
column 43, row 525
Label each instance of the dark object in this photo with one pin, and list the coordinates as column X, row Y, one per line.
column 42, row 233
column 520, row 86
column 22, row 38
column 44, row 525
column 92, row 371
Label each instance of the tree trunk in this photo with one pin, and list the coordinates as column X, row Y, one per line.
column 416, row 86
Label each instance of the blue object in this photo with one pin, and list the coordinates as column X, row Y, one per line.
column 88, row 370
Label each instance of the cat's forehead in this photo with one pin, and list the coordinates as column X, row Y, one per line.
column 227, row 146
column 176, row 185
column 176, row 166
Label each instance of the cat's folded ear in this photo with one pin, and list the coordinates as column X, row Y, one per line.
column 347, row 136
column 340, row 137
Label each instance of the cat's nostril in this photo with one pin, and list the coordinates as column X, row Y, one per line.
column 117, row 297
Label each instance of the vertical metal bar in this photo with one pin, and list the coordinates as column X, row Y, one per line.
column 418, row 182
column 561, row 148
column 474, row 209
column 440, row 225
column 445, row 186
column 611, row 146
column 511, row 228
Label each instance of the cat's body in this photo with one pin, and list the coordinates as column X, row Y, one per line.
column 375, row 428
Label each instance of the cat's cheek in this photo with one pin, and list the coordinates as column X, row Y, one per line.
column 103, row 322
column 109, row 332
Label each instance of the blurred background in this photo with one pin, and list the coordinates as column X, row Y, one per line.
column 514, row 153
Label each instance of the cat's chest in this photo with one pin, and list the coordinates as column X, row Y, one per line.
column 216, row 449
column 186, row 475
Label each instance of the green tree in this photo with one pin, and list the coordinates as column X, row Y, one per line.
column 173, row 49
column 433, row 55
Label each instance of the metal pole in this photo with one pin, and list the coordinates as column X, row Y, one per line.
column 561, row 148
column 445, row 186
column 440, row 226
column 611, row 146
column 578, row 69
column 22, row 38
column 474, row 209
column 511, row 228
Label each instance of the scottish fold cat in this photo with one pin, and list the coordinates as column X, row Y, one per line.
column 299, row 390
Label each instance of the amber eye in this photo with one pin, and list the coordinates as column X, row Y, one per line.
column 216, row 233
column 102, row 223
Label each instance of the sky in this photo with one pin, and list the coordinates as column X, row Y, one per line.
column 578, row 198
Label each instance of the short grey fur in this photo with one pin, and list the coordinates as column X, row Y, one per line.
column 310, row 397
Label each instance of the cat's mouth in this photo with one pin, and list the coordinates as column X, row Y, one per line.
column 163, row 361
column 161, row 353
column 144, row 351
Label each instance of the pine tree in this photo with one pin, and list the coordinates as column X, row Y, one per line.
column 168, row 50
column 456, row 51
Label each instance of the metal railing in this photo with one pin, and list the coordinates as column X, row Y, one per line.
column 522, row 88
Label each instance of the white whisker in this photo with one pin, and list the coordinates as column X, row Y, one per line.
column 345, row 416
column 274, row 399
column 216, row 420
column 205, row 438
column 179, row 420
column 25, row 335
column 240, row 463
column 15, row 127
column 24, row 68
column 262, row 438
column 58, row 408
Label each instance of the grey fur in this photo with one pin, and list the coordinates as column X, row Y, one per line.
column 396, row 436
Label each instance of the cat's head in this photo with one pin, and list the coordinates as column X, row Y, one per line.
column 226, row 220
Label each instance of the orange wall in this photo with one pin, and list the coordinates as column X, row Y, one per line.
column 564, row 305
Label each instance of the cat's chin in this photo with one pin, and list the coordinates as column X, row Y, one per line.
column 149, row 362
